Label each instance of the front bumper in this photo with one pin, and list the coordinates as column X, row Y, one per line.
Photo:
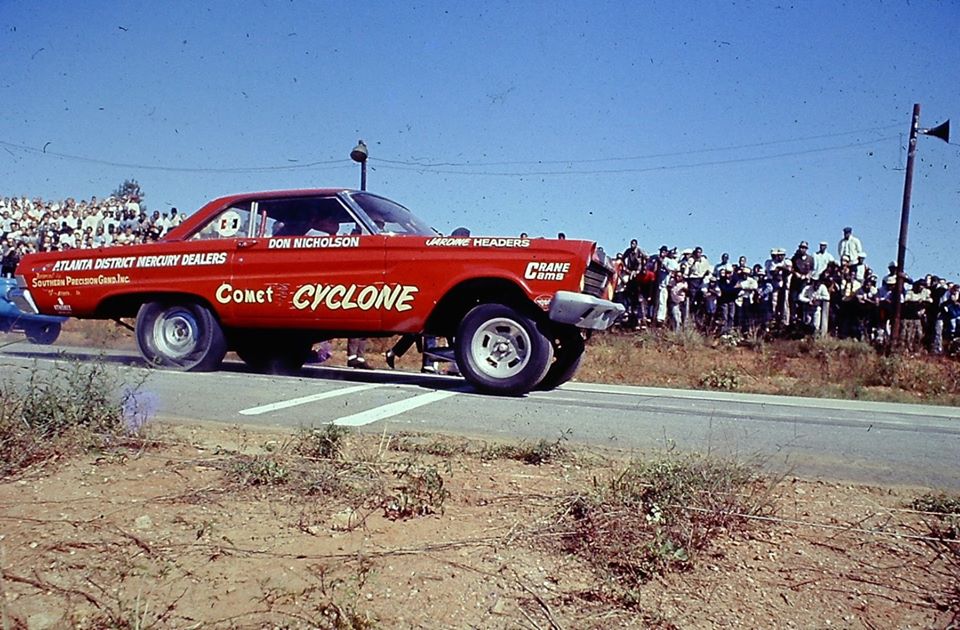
column 584, row 311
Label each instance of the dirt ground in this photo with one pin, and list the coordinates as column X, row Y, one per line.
column 160, row 538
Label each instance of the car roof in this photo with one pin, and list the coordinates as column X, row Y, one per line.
column 201, row 215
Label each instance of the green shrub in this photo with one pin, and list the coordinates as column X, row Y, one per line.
column 439, row 446
column 419, row 491
column 542, row 452
column 258, row 470
column 656, row 516
column 723, row 378
column 321, row 443
column 66, row 408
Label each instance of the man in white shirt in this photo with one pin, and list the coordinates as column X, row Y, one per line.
column 698, row 267
column 668, row 264
column 860, row 267
column 821, row 258
column 849, row 245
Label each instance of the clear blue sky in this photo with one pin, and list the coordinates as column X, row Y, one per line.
column 737, row 126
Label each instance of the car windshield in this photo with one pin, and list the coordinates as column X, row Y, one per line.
column 390, row 217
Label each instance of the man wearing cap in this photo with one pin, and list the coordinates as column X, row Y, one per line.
column 779, row 279
column 848, row 306
column 802, row 274
column 948, row 319
column 913, row 314
column 885, row 295
column 859, row 267
column 746, row 299
column 667, row 265
column 726, row 301
column 849, row 245
column 821, row 258
column 698, row 268
column 891, row 273
column 868, row 298
column 724, row 261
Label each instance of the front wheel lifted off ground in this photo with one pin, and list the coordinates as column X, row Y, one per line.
column 502, row 351
column 180, row 335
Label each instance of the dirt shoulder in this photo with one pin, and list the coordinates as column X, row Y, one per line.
column 172, row 536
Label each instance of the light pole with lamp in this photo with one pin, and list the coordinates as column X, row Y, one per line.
column 357, row 345
column 359, row 155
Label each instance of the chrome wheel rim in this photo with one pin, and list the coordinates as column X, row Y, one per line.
column 501, row 348
column 176, row 334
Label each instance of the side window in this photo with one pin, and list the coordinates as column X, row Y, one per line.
column 309, row 216
column 234, row 222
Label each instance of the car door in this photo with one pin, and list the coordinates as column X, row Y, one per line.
column 310, row 264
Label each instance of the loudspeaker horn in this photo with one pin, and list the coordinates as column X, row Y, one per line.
column 941, row 131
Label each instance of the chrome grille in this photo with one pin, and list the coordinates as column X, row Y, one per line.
column 595, row 279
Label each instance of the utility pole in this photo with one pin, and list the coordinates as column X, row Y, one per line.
column 940, row 131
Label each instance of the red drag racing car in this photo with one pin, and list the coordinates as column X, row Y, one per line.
column 269, row 274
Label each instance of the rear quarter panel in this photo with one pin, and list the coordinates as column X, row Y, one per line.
column 79, row 282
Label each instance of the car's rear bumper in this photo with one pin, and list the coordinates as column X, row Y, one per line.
column 21, row 298
column 584, row 311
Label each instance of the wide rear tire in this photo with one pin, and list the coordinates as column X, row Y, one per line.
column 180, row 335
column 502, row 351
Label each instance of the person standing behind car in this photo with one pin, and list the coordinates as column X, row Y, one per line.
column 779, row 280
column 914, row 309
column 727, row 300
column 699, row 267
column 633, row 259
column 356, row 346
column 802, row 273
column 425, row 343
column 821, row 258
column 678, row 297
column 667, row 266
column 10, row 259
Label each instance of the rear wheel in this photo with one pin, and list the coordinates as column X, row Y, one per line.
column 568, row 352
column 502, row 351
column 180, row 335
column 43, row 334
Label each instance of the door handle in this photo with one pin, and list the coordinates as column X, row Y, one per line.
column 246, row 244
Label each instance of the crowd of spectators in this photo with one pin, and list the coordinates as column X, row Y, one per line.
column 808, row 293
column 36, row 225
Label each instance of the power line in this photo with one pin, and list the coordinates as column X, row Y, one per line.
column 639, row 157
column 646, row 169
column 429, row 166
column 330, row 164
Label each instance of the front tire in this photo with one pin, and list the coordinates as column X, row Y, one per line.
column 502, row 351
column 180, row 335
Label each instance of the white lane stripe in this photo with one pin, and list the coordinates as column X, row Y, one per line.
column 293, row 402
column 391, row 409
